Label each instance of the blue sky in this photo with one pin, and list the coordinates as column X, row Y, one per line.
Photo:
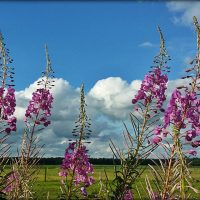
column 108, row 46
column 91, row 41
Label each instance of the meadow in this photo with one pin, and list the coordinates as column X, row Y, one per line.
column 51, row 188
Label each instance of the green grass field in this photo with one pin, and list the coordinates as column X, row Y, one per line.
column 51, row 187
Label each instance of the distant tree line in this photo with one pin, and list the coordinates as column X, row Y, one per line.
column 103, row 161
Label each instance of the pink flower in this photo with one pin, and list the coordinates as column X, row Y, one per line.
column 196, row 143
column 164, row 132
column 192, row 152
column 62, row 174
column 156, row 139
column 83, row 191
column 156, row 196
column 157, row 130
column 128, row 195
column 12, row 182
column 190, row 135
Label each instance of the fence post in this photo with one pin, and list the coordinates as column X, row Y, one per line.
column 45, row 174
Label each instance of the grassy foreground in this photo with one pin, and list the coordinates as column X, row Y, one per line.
column 51, row 188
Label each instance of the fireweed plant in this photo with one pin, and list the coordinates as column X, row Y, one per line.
column 76, row 169
column 7, row 109
column 181, row 124
column 147, row 108
column 36, row 119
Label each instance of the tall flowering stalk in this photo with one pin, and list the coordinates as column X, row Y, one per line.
column 39, row 109
column 36, row 119
column 7, row 92
column 76, row 169
column 182, row 124
column 7, row 108
column 147, row 108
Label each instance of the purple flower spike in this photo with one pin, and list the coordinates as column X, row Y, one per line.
column 40, row 107
column 7, row 107
column 153, row 87
column 76, row 160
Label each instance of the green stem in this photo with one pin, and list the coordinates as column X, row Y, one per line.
column 70, row 185
column 4, row 63
column 178, row 146
column 140, row 137
column 166, row 184
column 183, row 164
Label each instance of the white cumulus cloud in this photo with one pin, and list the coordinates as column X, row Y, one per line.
column 184, row 11
column 114, row 96
column 146, row 44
